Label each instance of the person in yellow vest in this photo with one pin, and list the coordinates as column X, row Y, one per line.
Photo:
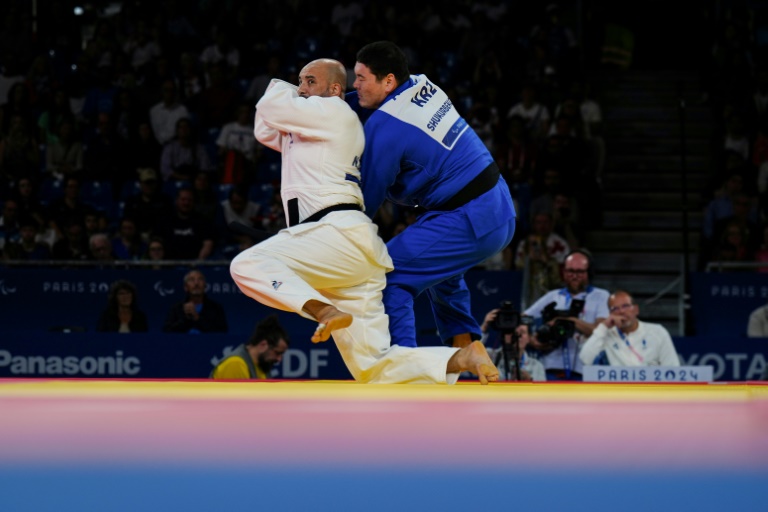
column 255, row 358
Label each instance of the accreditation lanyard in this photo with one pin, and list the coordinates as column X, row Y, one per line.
column 566, row 350
column 625, row 338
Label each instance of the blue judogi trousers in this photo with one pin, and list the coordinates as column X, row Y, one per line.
column 433, row 254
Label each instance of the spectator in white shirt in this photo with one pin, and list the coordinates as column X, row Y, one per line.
column 167, row 113
column 628, row 341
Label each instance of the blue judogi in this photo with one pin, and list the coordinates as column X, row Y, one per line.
column 420, row 152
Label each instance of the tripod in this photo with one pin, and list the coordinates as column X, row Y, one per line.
column 510, row 351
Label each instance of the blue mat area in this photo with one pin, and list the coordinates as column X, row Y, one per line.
column 107, row 489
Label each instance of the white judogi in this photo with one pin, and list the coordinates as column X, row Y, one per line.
column 339, row 259
column 648, row 345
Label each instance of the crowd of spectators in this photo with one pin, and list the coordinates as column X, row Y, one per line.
column 131, row 119
column 735, row 87
column 134, row 120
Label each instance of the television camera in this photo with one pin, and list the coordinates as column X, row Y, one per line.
column 552, row 336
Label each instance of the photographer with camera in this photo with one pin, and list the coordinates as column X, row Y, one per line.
column 626, row 340
column 565, row 317
column 508, row 353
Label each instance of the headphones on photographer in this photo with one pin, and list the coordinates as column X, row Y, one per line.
column 588, row 256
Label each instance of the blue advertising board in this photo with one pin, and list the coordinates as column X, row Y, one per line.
column 721, row 302
column 44, row 299
column 186, row 356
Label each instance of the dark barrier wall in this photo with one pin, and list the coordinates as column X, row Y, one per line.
column 30, row 354
column 721, row 303
column 42, row 299
column 32, row 301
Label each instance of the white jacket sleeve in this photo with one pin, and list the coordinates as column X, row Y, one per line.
column 667, row 353
column 594, row 345
column 267, row 135
column 282, row 109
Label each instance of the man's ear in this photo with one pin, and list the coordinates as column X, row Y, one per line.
column 337, row 90
column 390, row 83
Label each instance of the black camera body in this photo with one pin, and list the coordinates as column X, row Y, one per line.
column 507, row 319
column 554, row 335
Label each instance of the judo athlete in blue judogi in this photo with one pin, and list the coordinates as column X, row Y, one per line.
column 420, row 152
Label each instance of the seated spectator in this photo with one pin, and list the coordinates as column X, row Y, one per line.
column 732, row 245
column 64, row 157
column 187, row 235
column 550, row 243
column 28, row 201
column 757, row 327
column 150, row 205
column 164, row 116
column 240, row 210
column 19, row 151
column 183, row 156
column 191, row 81
column 197, row 313
column 217, row 103
column 95, row 222
column 721, row 206
column 122, row 313
column 155, row 251
column 206, row 199
column 105, row 153
column 255, row 358
column 565, row 220
column 530, row 367
column 237, row 208
column 144, row 151
column 51, row 118
column 564, row 150
column 27, row 248
column 628, row 341
column 68, row 208
column 535, row 114
column 544, row 197
column 237, row 148
column 541, row 254
column 743, row 214
column 9, row 223
column 100, row 248
column 128, row 245
column 221, row 53
column 73, row 245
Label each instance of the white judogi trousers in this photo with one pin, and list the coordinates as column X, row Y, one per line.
column 340, row 260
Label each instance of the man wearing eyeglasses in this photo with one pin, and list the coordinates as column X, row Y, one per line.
column 626, row 340
column 562, row 362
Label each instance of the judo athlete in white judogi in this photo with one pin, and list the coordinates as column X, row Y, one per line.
column 329, row 264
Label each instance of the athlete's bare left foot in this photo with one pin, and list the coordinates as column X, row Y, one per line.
column 329, row 319
column 474, row 358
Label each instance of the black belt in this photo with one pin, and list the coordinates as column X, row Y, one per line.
column 479, row 185
column 322, row 213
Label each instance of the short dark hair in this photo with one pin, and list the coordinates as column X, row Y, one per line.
column 383, row 58
column 269, row 329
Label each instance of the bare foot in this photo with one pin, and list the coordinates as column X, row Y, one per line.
column 474, row 358
column 329, row 319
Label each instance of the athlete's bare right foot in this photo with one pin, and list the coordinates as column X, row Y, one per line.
column 474, row 358
column 329, row 319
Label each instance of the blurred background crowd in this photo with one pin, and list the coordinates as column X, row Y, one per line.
column 123, row 124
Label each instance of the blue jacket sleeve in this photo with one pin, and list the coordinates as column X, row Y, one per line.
column 380, row 164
